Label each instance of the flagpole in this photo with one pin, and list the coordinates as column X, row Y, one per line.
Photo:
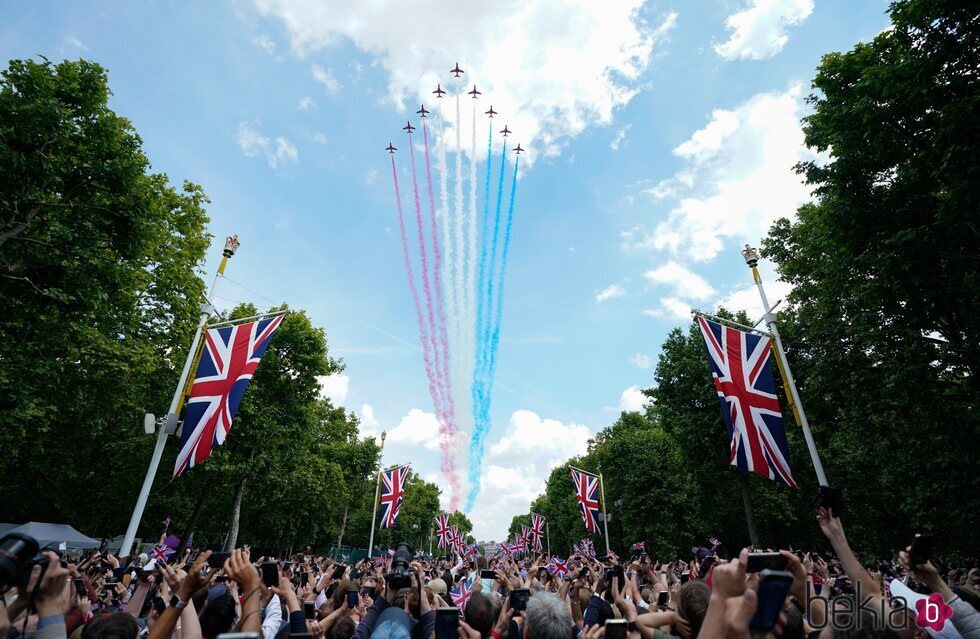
column 605, row 518
column 169, row 425
column 547, row 533
column 377, row 495
column 751, row 256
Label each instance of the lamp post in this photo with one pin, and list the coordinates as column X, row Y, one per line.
column 168, row 425
column 377, row 489
column 751, row 257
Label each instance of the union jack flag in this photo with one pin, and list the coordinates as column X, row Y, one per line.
column 741, row 368
column 163, row 552
column 473, row 551
column 537, row 529
column 455, row 540
column 442, row 530
column 640, row 545
column 392, row 492
column 585, row 548
column 229, row 358
column 558, row 567
column 461, row 595
column 587, row 493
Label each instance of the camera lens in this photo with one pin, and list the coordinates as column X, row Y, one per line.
column 16, row 551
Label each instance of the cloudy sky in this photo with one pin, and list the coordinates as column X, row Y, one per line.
column 662, row 136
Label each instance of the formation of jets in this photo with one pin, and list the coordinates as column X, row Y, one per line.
column 439, row 92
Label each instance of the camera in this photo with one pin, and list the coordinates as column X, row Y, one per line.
column 18, row 554
column 398, row 576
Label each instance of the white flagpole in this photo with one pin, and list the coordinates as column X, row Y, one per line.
column 169, row 425
column 377, row 495
column 752, row 259
column 547, row 528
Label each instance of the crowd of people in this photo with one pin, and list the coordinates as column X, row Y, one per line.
column 771, row 593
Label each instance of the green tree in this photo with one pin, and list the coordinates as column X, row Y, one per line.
column 99, row 287
column 883, row 319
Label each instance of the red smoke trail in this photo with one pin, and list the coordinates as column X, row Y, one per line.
column 447, row 465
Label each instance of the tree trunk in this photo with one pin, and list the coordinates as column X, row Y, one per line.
column 192, row 522
column 743, row 481
column 236, row 510
column 343, row 528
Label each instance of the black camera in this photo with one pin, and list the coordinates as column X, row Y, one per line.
column 18, row 554
column 398, row 577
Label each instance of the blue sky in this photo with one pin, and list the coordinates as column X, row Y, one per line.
column 661, row 137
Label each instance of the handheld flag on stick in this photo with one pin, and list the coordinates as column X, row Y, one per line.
column 640, row 545
column 228, row 360
column 587, row 493
column 741, row 368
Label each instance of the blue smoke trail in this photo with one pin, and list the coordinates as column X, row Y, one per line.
column 495, row 339
column 481, row 389
column 481, row 300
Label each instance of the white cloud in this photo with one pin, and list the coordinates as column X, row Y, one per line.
column 531, row 437
column 335, row 387
column 596, row 54
column 417, row 427
column 737, row 180
column 680, row 280
column 619, row 137
column 670, row 308
column 610, row 292
column 632, row 399
column 275, row 152
column 266, row 43
column 305, row 103
column 370, row 426
column 371, row 177
column 746, row 298
column 759, row 30
column 325, row 77
column 319, row 138
column 641, row 361
column 75, row 43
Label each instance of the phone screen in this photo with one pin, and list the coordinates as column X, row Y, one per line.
column 615, row 628
column 920, row 550
column 217, row 559
column 447, row 619
column 518, row 600
column 270, row 574
column 774, row 585
column 662, row 598
column 309, row 610
column 488, row 574
column 352, row 599
column 338, row 571
column 80, row 587
column 759, row 561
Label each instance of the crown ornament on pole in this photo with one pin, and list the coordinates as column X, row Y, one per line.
column 231, row 245
column 751, row 256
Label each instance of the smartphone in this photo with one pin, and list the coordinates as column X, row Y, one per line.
column 832, row 499
column 339, row 570
column 615, row 628
column 759, row 561
column 447, row 621
column 80, row 589
column 706, row 565
column 218, row 559
column 239, row 635
column 662, row 598
column 685, row 576
column 774, row 585
column 304, row 578
column 309, row 610
column 488, row 574
column 518, row 600
column 921, row 549
column 352, row 599
column 369, row 591
column 270, row 574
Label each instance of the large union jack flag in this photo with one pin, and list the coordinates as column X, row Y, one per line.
column 229, row 357
column 392, row 493
column 442, row 530
column 587, row 493
column 741, row 368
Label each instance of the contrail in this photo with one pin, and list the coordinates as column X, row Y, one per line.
column 447, row 464
column 459, row 274
column 440, row 317
column 478, row 442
